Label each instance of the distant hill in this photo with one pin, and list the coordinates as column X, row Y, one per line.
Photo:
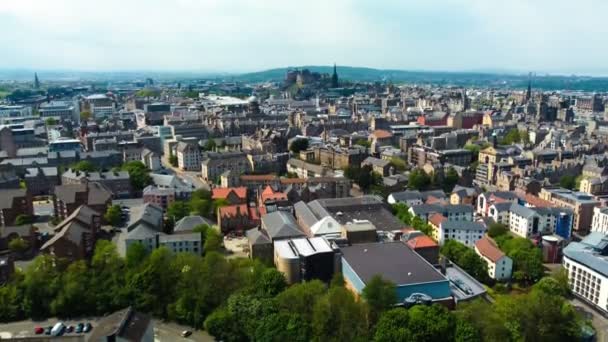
column 468, row 79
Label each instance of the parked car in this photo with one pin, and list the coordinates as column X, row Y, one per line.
column 79, row 328
column 69, row 329
column 58, row 329
column 87, row 327
column 38, row 330
column 47, row 331
column 186, row 333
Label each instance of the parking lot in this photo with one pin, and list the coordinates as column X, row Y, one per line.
column 163, row 331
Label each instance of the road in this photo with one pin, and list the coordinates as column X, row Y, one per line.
column 163, row 331
column 191, row 177
column 600, row 323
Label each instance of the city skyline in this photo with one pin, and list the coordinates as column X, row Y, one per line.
column 244, row 36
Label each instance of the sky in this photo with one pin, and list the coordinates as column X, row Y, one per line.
column 544, row 36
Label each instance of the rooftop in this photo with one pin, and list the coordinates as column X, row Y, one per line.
column 394, row 261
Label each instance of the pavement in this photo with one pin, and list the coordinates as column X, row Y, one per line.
column 163, row 331
column 600, row 323
column 191, row 177
column 237, row 247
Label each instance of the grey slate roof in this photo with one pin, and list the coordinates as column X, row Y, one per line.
column 589, row 252
column 463, row 225
column 407, row 195
column 7, row 196
column 280, row 224
column 188, row 223
column 149, row 214
column 257, row 237
column 304, row 214
column 522, row 211
column 503, row 206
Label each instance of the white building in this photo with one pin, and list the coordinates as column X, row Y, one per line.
column 59, row 110
column 500, row 266
column 586, row 264
column 15, row 111
column 182, row 243
column 328, row 227
column 500, row 212
column 600, row 220
column 465, row 232
column 523, row 221
column 188, row 156
column 409, row 198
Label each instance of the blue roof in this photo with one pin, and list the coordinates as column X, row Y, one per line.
column 587, row 252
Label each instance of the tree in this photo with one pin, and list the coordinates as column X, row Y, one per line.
column 23, row 219
column 466, row 258
column 283, row 327
column 270, row 283
column 298, row 145
column 18, row 245
column 85, row 116
column 380, row 295
column 364, row 143
column 178, row 210
column 398, row 163
column 496, row 229
column 568, row 182
column 450, row 180
column 138, row 173
column 73, row 298
column 300, row 298
column 224, row 326
column 210, row 145
column 113, row 215
column 84, row 166
column 136, row 254
column 418, row 180
column 50, row 122
column 420, row 323
column 213, row 241
column 10, row 303
column 337, row 316
column 364, row 176
column 173, row 160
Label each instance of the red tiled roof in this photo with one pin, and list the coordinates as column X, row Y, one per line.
column 422, row 241
column 537, row 201
column 487, row 247
column 382, row 134
column 221, row 193
column 435, row 200
column 269, row 194
column 436, row 219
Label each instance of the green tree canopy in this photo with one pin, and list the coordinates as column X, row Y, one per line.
column 113, row 215
column 84, row 166
column 497, row 229
column 18, row 245
column 22, row 219
column 138, row 173
column 380, row 295
column 568, row 182
column 298, row 145
column 418, row 180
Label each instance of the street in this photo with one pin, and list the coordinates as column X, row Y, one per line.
column 163, row 331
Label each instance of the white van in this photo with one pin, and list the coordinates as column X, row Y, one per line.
column 58, row 329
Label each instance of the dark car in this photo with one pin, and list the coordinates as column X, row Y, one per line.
column 79, row 328
column 69, row 329
column 47, row 331
column 87, row 327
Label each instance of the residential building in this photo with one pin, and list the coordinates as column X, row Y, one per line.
column 397, row 263
column 182, row 189
column 380, row 166
column 159, row 196
column 465, row 232
column 237, row 217
column 60, row 110
column 600, row 220
column 188, row 223
column 586, row 264
column 14, row 202
column 307, row 170
column 215, row 164
column 117, row 182
column 231, row 195
column 500, row 266
column 145, row 225
column 188, row 156
column 68, row 198
column 41, row 180
column 581, row 204
column 453, row 212
column 75, row 236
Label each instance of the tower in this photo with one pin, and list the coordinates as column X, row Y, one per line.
column 334, row 78
column 36, row 81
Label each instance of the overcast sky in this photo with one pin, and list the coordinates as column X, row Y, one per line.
column 556, row 36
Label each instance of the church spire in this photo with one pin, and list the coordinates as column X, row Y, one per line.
column 334, row 78
column 36, row 81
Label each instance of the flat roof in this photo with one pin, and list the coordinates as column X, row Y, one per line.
column 394, row 261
